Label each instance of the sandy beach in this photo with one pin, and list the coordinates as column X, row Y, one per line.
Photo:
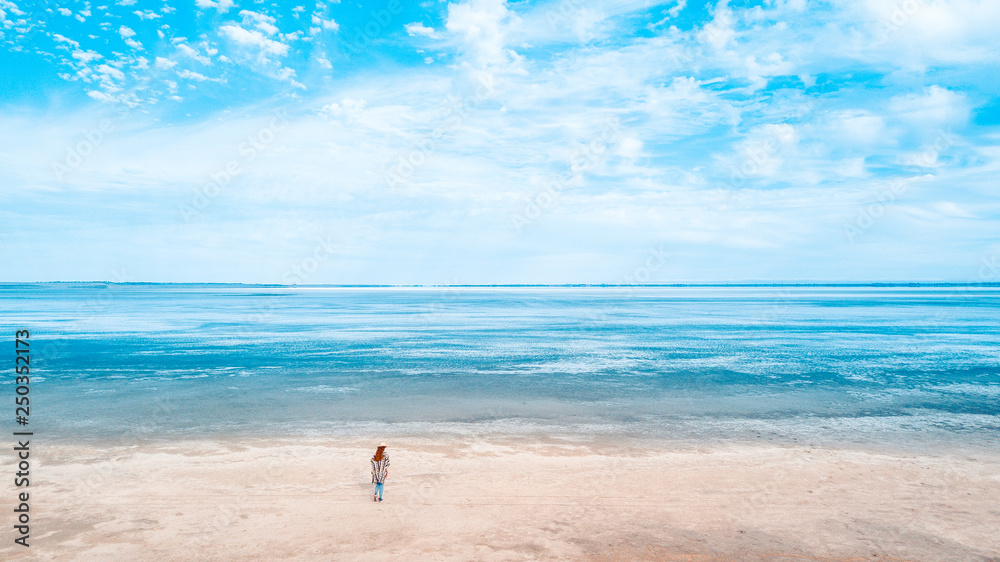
column 506, row 500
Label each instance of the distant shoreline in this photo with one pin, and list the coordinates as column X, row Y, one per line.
column 888, row 284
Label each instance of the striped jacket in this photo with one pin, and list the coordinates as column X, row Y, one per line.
column 380, row 469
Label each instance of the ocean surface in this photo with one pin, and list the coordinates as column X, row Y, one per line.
column 912, row 367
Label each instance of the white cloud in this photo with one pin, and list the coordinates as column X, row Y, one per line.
column 763, row 152
column 220, row 5
column 65, row 11
column 771, row 64
column 854, row 127
column 588, row 24
column 262, row 22
column 673, row 12
column 921, row 159
column 481, row 27
column 189, row 52
column 86, row 56
column 254, row 39
column 192, row 75
column 127, row 33
column 920, row 30
column 68, row 41
column 326, row 24
column 111, row 71
column 682, row 96
column 146, row 14
column 417, row 28
column 719, row 33
column 100, row 96
column 935, row 106
column 348, row 108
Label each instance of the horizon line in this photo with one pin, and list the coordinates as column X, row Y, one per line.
column 533, row 285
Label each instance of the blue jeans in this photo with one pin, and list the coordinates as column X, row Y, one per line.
column 378, row 490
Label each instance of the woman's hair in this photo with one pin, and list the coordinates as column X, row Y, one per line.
column 378, row 453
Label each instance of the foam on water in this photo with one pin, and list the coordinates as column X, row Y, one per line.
column 899, row 364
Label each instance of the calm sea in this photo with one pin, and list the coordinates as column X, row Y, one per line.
column 914, row 367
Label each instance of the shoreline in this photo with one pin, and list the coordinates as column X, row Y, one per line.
column 506, row 499
column 889, row 439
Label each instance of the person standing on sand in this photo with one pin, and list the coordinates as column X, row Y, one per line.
column 380, row 470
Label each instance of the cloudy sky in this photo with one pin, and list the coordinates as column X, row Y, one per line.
column 485, row 141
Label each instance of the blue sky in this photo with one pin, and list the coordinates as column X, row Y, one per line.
column 485, row 141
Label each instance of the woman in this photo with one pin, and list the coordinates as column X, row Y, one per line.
column 380, row 469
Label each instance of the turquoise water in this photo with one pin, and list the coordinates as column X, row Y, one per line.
column 917, row 366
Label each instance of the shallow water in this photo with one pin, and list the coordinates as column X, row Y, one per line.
column 901, row 365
